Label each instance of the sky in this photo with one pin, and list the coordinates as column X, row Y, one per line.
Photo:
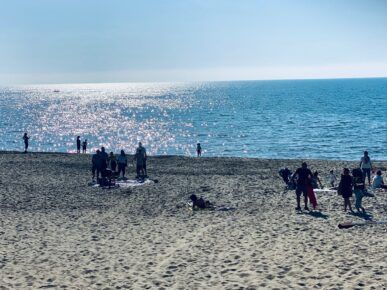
column 73, row 41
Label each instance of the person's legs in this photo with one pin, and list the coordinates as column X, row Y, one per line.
column 298, row 197
column 306, row 199
column 93, row 169
column 369, row 175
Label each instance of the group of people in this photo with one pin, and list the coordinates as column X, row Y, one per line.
column 304, row 181
column 79, row 143
column 109, row 165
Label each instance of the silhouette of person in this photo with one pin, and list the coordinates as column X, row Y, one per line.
column 25, row 138
column 140, row 158
column 84, row 146
column 199, row 149
column 78, row 144
column 104, row 158
column 95, row 164
column 304, row 177
column 112, row 162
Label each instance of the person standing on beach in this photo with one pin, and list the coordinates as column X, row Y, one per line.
column 366, row 166
column 304, row 176
column 345, row 188
column 84, row 146
column 104, row 157
column 122, row 162
column 198, row 150
column 25, row 138
column 95, row 164
column 358, row 188
column 112, row 162
column 78, row 144
column 140, row 158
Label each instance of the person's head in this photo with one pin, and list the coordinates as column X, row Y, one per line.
column 198, row 144
column 85, row 140
column 78, row 137
column 97, row 151
column 304, row 165
column 111, row 154
column 122, row 152
column 139, row 144
column 365, row 153
column 193, row 197
column 315, row 174
column 331, row 172
column 25, row 134
column 102, row 149
column 346, row 171
column 379, row 172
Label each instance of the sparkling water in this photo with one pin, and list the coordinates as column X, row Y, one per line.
column 325, row 119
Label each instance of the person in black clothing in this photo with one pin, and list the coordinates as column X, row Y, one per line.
column 95, row 164
column 285, row 173
column 199, row 149
column 78, row 144
column 200, row 203
column 304, row 176
column 84, row 146
column 25, row 138
column 345, row 188
column 103, row 160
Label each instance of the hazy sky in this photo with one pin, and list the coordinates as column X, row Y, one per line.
column 60, row 41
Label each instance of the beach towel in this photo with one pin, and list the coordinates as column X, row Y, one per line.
column 312, row 197
column 134, row 182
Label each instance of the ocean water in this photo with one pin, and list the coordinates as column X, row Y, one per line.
column 326, row 119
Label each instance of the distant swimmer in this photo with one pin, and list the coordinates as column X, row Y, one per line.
column 78, row 144
column 25, row 138
column 84, row 146
column 198, row 150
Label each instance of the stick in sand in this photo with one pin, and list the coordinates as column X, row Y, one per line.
column 348, row 225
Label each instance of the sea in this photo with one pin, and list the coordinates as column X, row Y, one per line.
column 307, row 119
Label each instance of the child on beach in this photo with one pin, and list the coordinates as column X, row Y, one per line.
column 316, row 180
column 332, row 179
column 25, row 138
column 200, row 203
column 378, row 182
column 345, row 189
column 358, row 188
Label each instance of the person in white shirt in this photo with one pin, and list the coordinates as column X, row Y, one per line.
column 378, row 182
column 366, row 166
column 332, row 178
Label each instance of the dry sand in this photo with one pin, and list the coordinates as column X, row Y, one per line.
column 56, row 232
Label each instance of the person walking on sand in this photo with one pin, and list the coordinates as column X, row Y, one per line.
column 198, row 150
column 78, row 144
column 122, row 162
column 84, row 146
column 366, row 166
column 358, row 188
column 304, row 176
column 25, row 138
column 345, row 189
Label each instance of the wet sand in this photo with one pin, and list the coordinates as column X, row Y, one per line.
column 57, row 232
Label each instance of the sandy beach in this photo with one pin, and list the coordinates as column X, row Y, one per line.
column 57, row 232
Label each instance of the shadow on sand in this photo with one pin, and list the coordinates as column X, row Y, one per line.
column 316, row 214
column 365, row 216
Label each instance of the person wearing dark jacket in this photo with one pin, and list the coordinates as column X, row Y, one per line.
column 345, row 188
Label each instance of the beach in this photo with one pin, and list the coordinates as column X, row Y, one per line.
column 57, row 232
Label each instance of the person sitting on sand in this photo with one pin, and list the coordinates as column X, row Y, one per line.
column 315, row 181
column 122, row 162
column 366, row 166
column 112, row 162
column 200, row 203
column 285, row 173
column 95, row 160
column 332, row 179
column 198, row 150
column 304, row 175
column 345, row 189
column 378, row 182
column 358, row 188
column 25, row 138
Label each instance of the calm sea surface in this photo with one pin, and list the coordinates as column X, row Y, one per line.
column 327, row 119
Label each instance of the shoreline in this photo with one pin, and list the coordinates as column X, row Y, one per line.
column 194, row 157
